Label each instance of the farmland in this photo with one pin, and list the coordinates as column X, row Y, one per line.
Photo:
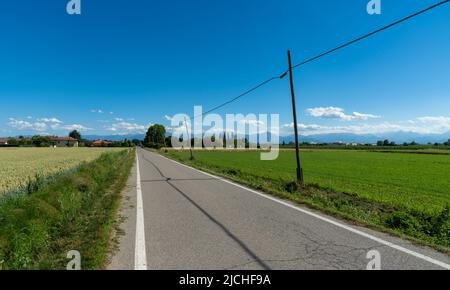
column 399, row 191
column 20, row 165
column 76, row 210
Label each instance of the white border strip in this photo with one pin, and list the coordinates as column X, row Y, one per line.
column 340, row 225
column 140, row 254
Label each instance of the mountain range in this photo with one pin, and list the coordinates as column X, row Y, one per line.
column 397, row 137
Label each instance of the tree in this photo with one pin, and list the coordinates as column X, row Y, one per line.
column 156, row 136
column 13, row 142
column 380, row 143
column 75, row 135
column 169, row 142
column 136, row 142
column 40, row 141
column 24, row 142
column 386, row 143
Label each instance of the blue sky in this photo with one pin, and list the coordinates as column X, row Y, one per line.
column 122, row 65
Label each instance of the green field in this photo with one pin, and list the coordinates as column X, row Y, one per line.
column 394, row 190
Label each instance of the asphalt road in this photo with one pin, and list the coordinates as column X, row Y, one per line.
column 176, row 217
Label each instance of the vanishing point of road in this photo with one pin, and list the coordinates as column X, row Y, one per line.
column 178, row 218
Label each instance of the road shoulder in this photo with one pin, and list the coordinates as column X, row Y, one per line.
column 123, row 241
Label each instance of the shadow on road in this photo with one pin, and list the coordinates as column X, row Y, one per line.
column 220, row 225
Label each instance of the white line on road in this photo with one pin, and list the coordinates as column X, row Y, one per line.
column 140, row 254
column 322, row 218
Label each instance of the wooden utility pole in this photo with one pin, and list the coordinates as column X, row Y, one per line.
column 189, row 138
column 294, row 110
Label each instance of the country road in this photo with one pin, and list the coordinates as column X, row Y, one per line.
column 176, row 217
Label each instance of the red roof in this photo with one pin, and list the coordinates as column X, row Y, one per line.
column 101, row 142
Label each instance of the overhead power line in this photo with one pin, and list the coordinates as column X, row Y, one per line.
column 241, row 95
column 261, row 84
column 371, row 34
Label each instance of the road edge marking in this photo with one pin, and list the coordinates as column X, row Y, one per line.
column 140, row 254
column 322, row 218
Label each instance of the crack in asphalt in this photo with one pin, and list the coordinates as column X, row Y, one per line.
column 322, row 255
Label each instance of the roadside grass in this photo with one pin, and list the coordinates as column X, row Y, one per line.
column 406, row 195
column 76, row 211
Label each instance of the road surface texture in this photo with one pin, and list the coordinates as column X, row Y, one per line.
column 178, row 218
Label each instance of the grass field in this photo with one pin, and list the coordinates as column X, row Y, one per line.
column 19, row 166
column 400, row 191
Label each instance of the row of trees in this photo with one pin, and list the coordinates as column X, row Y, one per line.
column 37, row 141
column 88, row 143
column 156, row 138
column 386, row 143
column 45, row 141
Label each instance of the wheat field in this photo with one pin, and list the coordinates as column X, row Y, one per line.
column 19, row 165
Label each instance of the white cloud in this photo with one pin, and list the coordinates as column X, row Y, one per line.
column 25, row 125
column 364, row 117
column 438, row 119
column 77, row 127
column 19, row 124
column 44, row 124
column 97, row 111
column 339, row 113
column 50, row 120
column 40, row 127
column 421, row 125
column 252, row 122
column 122, row 127
column 168, row 118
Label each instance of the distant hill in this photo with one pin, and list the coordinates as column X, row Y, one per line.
column 397, row 137
column 114, row 137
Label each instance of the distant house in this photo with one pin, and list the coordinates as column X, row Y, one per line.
column 63, row 142
column 101, row 143
column 3, row 141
